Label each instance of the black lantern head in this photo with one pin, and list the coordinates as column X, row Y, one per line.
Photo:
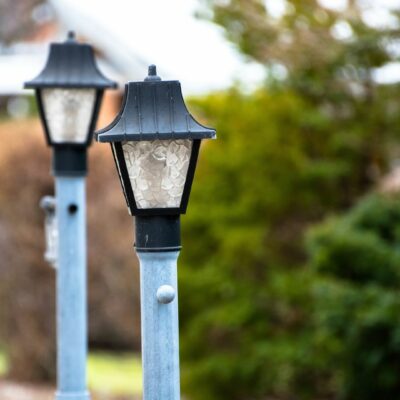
column 69, row 92
column 155, row 143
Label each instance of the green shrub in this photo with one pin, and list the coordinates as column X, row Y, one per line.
column 355, row 255
column 356, row 297
column 245, row 298
column 257, row 323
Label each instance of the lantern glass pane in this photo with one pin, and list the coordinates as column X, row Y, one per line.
column 68, row 113
column 157, row 171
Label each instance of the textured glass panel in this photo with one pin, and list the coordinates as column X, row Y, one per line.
column 157, row 171
column 68, row 113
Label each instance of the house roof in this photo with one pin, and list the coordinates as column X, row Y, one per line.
column 24, row 61
column 120, row 57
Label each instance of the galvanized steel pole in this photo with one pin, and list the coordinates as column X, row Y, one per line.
column 157, row 243
column 71, row 289
column 160, row 332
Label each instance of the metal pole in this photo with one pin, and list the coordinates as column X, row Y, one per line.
column 71, row 289
column 160, row 332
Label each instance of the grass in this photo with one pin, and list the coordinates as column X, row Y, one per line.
column 117, row 374
column 108, row 373
column 3, row 363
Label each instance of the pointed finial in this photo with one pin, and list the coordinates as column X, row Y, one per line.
column 152, row 76
column 71, row 36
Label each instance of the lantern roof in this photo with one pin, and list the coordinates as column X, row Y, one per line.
column 71, row 65
column 153, row 109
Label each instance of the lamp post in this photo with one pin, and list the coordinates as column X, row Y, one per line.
column 155, row 143
column 69, row 92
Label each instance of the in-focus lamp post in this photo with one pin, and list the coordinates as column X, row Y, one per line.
column 155, row 143
column 69, row 92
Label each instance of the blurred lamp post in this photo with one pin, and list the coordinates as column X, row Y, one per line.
column 69, row 92
column 155, row 143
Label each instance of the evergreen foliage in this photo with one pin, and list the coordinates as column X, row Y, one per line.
column 254, row 317
column 356, row 315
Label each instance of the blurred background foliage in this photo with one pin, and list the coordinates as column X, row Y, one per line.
column 289, row 277
column 356, row 305
column 27, row 282
column 262, row 314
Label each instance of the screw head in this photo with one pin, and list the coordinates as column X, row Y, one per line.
column 165, row 294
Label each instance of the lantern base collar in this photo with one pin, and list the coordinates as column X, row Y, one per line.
column 157, row 233
column 70, row 160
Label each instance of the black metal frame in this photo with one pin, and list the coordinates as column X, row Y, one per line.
column 128, row 191
column 92, row 125
column 120, row 176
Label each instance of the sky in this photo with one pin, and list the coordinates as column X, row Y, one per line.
column 166, row 33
